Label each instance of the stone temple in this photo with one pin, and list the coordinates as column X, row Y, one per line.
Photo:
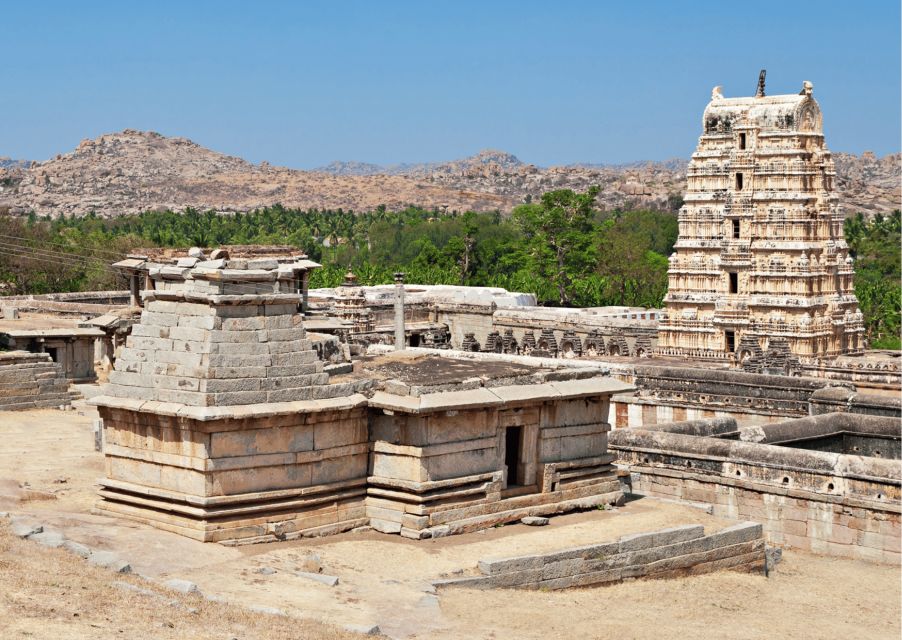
column 761, row 260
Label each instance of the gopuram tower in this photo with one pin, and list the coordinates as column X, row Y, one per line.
column 761, row 259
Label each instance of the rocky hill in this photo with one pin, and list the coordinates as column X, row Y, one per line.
column 488, row 158
column 133, row 171
column 9, row 163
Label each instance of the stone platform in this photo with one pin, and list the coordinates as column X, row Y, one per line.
column 31, row 381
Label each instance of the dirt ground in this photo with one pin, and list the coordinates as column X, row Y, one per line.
column 48, row 470
column 53, row 594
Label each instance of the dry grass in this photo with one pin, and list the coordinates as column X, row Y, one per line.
column 51, row 593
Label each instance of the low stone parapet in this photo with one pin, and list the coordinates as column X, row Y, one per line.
column 31, row 381
column 826, row 502
column 666, row 553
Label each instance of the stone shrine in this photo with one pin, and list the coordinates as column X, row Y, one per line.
column 220, row 423
column 761, row 252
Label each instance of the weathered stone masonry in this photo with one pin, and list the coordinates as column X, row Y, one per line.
column 761, row 253
column 220, row 424
column 826, row 501
column 218, row 414
column 31, row 381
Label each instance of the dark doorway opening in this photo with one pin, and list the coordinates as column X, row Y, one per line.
column 742, row 141
column 414, row 340
column 738, row 182
column 734, row 282
column 735, row 228
column 53, row 353
column 513, row 442
column 731, row 341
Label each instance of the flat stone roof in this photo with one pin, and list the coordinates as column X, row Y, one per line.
column 411, row 381
column 427, row 370
column 165, row 254
column 35, row 325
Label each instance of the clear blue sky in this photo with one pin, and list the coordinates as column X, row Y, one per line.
column 302, row 83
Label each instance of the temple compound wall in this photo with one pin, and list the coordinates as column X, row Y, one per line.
column 220, row 422
column 487, row 319
column 665, row 394
column 761, row 253
column 828, row 484
column 672, row 394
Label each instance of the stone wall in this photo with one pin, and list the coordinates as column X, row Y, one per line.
column 674, row 394
column 831, row 503
column 667, row 553
column 31, row 381
column 224, row 479
column 440, row 462
column 832, row 399
column 465, row 318
column 570, row 333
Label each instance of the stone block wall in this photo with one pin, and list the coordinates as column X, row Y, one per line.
column 667, row 553
column 830, row 503
column 792, row 521
column 444, row 472
column 235, row 478
column 675, row 394
column 31, row 381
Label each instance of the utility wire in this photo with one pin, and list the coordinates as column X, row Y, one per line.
column 62, row 257
column 59, row 245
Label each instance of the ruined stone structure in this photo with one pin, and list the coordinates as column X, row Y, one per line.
column 761, row 253
column 665, row 394
column 31, row 381
column 459, row 445
column 218, row 413
column 828, row 484
column 220, row 422
column 670, row 553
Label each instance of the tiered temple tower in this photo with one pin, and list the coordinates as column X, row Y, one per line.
column 351, row 305
column 761, row 253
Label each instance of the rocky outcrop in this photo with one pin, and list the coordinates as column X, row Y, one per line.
column 133, row 171
column 867, row 183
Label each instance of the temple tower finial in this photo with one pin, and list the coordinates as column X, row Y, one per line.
column 760, row 92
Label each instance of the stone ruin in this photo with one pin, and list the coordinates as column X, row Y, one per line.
column 350, row 304
column 219, row 422
column 828, row 483
column 31, row 381
column 218, row 372
column 219, row 333
column 776, row 360
column 470, row 343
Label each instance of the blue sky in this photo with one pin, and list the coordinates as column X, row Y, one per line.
column 302, row 83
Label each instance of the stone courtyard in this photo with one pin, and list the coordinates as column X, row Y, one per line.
column 48, row 470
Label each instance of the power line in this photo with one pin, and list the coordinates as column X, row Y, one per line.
column 115, row 254
column 63, row 257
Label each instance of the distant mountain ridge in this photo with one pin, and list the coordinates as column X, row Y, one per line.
column 132, row 171
column 487, row 157
column 10, row 163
